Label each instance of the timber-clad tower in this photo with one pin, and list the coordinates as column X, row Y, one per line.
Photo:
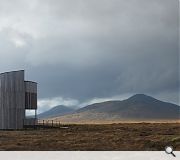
column 16, row 95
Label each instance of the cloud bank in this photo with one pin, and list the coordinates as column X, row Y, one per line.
column 84, row 50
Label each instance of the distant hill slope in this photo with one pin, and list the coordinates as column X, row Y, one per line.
column 137, row 107
column 55, row 112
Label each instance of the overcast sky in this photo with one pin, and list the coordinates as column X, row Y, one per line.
column 85, row 51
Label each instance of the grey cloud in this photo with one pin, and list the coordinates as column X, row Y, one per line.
column 94, row 49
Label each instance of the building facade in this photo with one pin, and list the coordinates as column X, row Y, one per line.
column 16, row 96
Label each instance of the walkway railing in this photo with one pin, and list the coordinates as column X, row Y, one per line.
column 49, row 123
column 38, row 124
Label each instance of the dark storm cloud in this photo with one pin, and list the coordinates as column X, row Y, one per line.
column 83, row 50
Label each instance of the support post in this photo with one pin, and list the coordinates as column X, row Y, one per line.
column 35, row 118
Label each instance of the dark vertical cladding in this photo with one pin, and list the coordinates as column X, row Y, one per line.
column 12, row 100
column 16, row 95
column 30, row 95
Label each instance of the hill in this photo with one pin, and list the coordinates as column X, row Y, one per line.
column 55, row 112
column 137, row 107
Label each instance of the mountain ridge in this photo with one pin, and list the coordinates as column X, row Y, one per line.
column 137, row 107
column 56, row 111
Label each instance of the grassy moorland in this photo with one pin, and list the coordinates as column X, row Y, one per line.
column 98, row 137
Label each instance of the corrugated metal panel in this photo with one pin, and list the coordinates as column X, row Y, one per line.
column 12, row 100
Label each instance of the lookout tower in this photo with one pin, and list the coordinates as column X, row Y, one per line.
column 16, row 96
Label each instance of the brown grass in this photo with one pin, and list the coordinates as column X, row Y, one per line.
column 98, row 137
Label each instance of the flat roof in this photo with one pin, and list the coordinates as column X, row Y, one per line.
column 12, row 71
column 31, row 81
